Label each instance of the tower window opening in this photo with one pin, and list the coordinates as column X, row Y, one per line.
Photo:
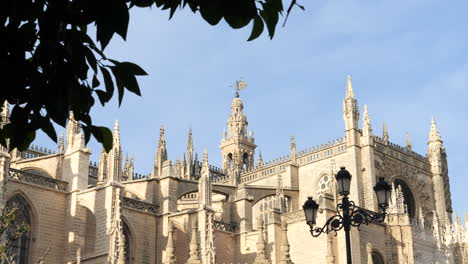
column 229, row 160
column 245, row 161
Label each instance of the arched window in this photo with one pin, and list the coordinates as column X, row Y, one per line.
column 18, row 250
column 128, row 252
column 408, row 197
column 229, row 160
column 377, row 258
column 245, row 161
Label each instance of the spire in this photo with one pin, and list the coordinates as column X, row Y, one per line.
column 114, row 163
column 194, row 254
column 351, row 115
column 285, row 256
column 161, row 153
column 385, row 133
column 293, row 150
column 408, row 142
column 366, row 123
column 116, row 133
column 261, row 256
column 434, row 134
column 349, row 88
column 204, row 183
column 190, row 144
column 128, row 167
column 260, row 160
column 170, row 257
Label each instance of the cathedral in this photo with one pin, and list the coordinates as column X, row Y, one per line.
column 245, row 211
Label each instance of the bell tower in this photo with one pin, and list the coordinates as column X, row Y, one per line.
column 237, row 147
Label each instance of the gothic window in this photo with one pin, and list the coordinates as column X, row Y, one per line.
column 377, row 258
column 229, row 160
column 324, row 185
column 128, row 252
column 18, row 250
column 407, row 196
column 245, row 161
column 267, row 204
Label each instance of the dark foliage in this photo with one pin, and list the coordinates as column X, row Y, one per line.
column 49, row 65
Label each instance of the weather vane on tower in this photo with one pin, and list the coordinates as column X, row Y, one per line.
column 239, row 85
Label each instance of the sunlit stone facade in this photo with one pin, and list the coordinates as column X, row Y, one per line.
column 246, row 211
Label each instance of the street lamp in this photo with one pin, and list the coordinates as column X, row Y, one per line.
column 348, row 214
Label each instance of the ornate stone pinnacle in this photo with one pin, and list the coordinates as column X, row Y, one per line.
column 285, row 256
column 349, row 88
column 408, row 141
column 385, row 133
column 261, row 256
column 434, row 134
column 194, row 254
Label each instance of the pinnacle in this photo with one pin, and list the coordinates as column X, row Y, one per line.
column 205, row 156
column 385, row 132
column 408, row 141
column 434, row 134
column 349, row 88
column 116, row 133
column 116, row 125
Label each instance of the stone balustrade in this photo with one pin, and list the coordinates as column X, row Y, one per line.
column 139, row 205
column 45, row 181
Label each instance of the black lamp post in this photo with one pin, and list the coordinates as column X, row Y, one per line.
column 348, row 214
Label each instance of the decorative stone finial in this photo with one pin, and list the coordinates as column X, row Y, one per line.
column 194, row 257
column 116, row 134
column 170, row 257
column 260, row 160
column 408, row 142
column 349, row 88
column 261, row 256
column 366, row 123
column 385, row 133
column 285, row 256
column 434, row 134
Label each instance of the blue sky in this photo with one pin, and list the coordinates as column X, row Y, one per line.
column 408, row 60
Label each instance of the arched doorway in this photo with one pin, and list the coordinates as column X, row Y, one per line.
column 18, row 233
column 408, row 197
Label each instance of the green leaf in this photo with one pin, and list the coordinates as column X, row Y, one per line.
column 103, row 135
column 257, row 28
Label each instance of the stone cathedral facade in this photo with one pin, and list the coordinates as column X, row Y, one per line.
column 246, row 211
